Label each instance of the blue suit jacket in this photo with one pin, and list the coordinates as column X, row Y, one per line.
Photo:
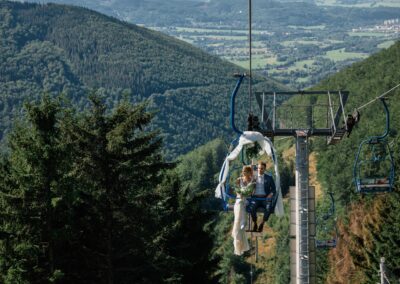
column 269, row 185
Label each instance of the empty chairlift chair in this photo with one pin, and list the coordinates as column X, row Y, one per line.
column 374, row 165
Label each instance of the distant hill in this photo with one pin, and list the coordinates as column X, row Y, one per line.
column 56, row 48
column 231, row 12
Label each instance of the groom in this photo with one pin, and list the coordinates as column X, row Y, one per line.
column 265, row 188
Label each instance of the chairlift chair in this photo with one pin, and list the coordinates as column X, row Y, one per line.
column 327, row 243
column 228, row 195
column 374, row 166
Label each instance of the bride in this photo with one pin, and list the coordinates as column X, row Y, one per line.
column 245, row 187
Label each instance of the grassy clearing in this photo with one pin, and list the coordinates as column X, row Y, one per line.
column 244, row 51
column 258, row 61
column 291, row 43
column 300, row 64
column 272, row 60
column 297, row 66
column 186, row 39
column 218, row 37
column 388, row 3
column 303, row 80
column 340, row 55
column 386, row 44
column 202, row 30
column 316, row 27
column 366, row 4
column 218, row 31
column 371, row 34
column 258, row 44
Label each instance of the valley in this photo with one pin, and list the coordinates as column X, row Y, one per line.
column 298, row 56
column 298, row 43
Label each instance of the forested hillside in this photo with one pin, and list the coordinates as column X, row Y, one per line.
column 368, row 225
column 53, row 48
column 86, row 193
column 228, row 12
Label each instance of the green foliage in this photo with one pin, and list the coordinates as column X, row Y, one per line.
column 199, row 168
column 88, row 198
column 281, row 264
column 32, row 176
column 56, row 48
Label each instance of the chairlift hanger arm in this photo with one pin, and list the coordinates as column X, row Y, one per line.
column 387, row 119
column 233, row 97
column 387, row 125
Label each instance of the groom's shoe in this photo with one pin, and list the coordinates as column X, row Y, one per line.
column 254, row 227
column 260, row 229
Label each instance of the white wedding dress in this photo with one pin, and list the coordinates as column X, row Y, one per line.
column 240, row 241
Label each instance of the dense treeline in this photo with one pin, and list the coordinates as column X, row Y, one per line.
column 88, row 198
column 55, row 48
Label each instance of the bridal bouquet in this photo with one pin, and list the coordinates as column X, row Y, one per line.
column 246, row 190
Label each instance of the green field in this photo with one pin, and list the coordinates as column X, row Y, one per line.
column 219, row 37
column 386, row 44
column 371, row 34
column 317, row 27
column 291, row 43
column 366, row 4
column 303, row 80
column 340, row 55
column 219, row 31
column 258, row 61
column 299, row 65
column 389, row 3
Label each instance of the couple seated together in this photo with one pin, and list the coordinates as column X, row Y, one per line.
column 261, row 188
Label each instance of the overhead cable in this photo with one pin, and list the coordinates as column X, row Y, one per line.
column 377, row 98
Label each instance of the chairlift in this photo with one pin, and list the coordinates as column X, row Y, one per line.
column 374, row 166
column 227, row 193
column 322, row 225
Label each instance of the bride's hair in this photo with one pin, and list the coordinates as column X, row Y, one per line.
column 247, row 170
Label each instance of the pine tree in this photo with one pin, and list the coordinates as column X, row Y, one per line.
column 117, row 164
column 184, row 242
column 31, row 193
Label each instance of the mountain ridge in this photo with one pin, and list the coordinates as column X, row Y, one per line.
column 59, row 48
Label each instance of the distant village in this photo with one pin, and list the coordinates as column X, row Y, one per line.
column 388, row 26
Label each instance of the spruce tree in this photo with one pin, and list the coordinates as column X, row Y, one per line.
column 117, row 164
column 32, row 189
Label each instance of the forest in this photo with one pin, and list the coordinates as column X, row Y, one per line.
column 86, row 197
column 297, row 43
column 232, row 13
column 70, row 50
column 108, row 181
